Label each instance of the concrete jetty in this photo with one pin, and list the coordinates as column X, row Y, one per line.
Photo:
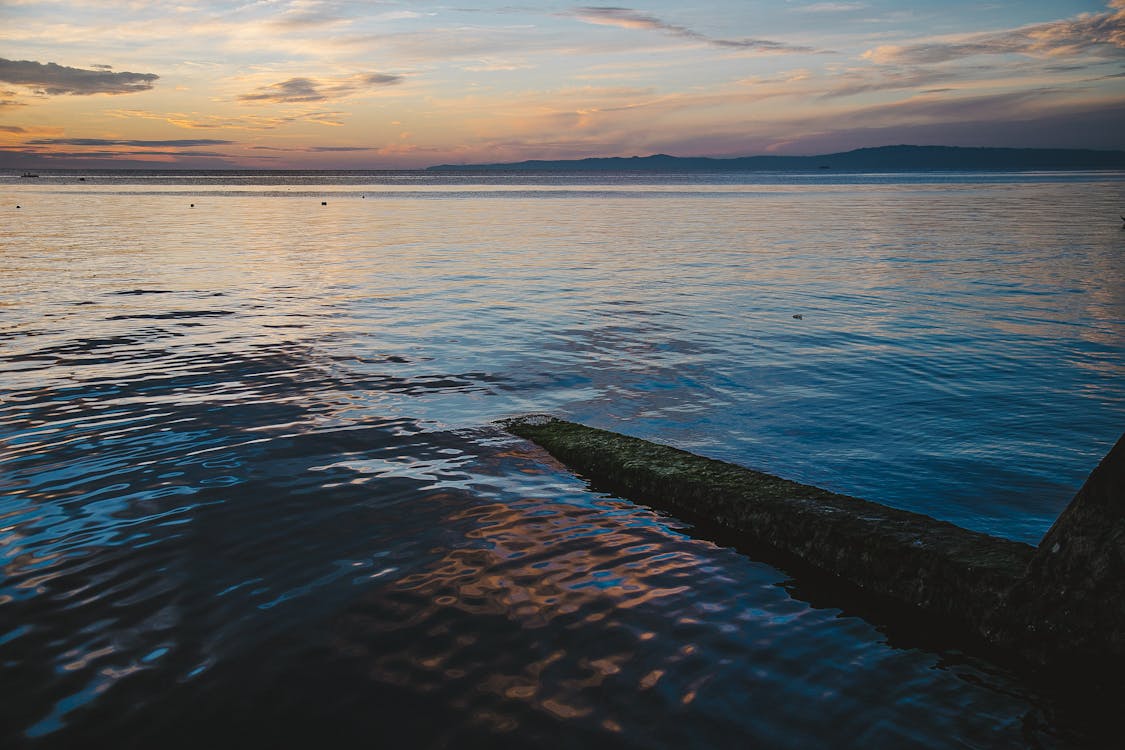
column 1060, row 605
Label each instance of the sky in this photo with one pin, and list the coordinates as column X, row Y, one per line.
column 280, row 84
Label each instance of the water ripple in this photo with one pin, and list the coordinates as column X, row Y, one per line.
column 245, row 457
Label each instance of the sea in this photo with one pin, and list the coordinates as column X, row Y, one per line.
column 252, row 487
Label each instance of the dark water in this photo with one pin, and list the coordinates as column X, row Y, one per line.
column 251, row 488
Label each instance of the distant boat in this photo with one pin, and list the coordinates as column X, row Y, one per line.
column 28, row 174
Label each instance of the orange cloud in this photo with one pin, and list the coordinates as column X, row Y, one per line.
column 197, row 121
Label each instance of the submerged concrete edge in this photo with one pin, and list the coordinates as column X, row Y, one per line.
column 985, row 584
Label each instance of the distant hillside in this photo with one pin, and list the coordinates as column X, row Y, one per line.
column 881, row 159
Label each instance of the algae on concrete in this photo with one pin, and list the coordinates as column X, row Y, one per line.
column 1074, row 590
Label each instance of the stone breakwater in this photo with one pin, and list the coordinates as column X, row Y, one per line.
column 1060, row 605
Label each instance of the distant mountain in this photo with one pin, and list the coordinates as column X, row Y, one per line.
column 880, row 159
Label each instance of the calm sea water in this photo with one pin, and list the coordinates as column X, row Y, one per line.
column 251, row 485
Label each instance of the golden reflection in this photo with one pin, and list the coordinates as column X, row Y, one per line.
column 532, row 564
column 85, row 659
column 538, row 582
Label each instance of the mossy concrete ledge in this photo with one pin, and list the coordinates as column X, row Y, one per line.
column 1063, row 603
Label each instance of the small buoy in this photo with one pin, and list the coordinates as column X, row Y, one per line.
column 324, row 203
column 17, row 206
column 798, row 316
column 193, row 205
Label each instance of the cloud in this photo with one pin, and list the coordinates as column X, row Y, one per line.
column 17, row 158
column 859, row 82
column 830, row 7
column 329, row 149
column 184, row 143
column 133, row 152
column 303, row 14
column 981, row 107
column 53, row 145
column 300, row 89
column 53, row 80
column 487, row 66
column 197, row 121
column 293, row 90
column 628, row 18
column 1039, row 117
column 1081, row 125
column 1095, row 33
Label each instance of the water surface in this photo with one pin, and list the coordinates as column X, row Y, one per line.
column 247, row 457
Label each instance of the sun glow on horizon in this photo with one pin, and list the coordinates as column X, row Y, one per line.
column 321, row 83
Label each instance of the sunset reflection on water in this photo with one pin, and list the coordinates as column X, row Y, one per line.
column 252, row 482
